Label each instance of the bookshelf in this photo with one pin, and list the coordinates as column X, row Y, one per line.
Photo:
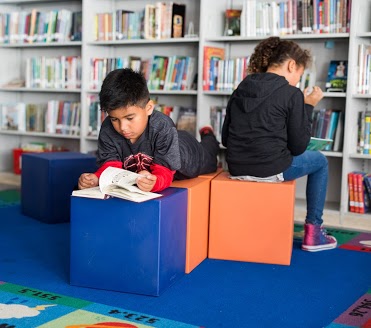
column 207, row 17
column 13, row 66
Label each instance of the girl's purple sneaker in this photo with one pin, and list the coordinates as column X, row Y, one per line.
column 316, row 239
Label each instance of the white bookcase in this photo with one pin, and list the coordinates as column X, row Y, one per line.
column 12, row 65
column 207, row 17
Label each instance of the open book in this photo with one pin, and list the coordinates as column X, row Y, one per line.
column 118, row 183
column 318, row 143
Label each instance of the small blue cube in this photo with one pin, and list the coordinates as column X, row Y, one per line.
column 129, row 247
column 48, row 180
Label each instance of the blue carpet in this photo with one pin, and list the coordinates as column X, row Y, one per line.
column 314, row 290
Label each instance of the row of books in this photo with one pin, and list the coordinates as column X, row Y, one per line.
column 161, row 72
column 161, row 20
column 64, row 72
column 55, row 117
column 364, row 69
column 39, row 27
column 171, row 73
column 183, row 117
column 260, row 18
column 100, row 67
column 329, row 124
column 222, row 74
column 96, row 116
column 359, row 189
column 364, row 133
column 217, row 116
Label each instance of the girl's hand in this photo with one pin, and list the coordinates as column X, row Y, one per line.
column 88, row 180
column 146, row 181
column 314, row 97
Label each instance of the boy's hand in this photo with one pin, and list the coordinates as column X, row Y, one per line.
column 88, row 180
column 147, row 181
column 314, row 97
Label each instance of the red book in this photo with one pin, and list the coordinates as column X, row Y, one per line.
column 351, row 193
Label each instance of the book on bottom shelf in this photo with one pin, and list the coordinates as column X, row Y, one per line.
column 359, row 189
column 119, row 183
column 187, row 120
column 319, row 143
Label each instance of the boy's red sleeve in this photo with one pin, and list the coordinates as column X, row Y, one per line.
column 107, row 164
column 164, row 177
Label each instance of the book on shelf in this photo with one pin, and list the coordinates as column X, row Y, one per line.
column 339, row 133
column 232, row 22
column 318, row 143
column 187, row 120
column 217, row 116
column 359, row 192
column 13, row 116
column 337, row 76
column 211, row 56
column 308, row 79
column 119, row 183
column 364, row 69
column 76, row 28
column 178, row 20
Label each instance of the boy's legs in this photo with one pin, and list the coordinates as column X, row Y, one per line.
column 313, row 164
column 210, row 151
column 197, row 157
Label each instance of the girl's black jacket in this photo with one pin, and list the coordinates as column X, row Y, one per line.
column 266, row 124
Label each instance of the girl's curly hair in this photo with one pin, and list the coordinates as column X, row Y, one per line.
column 273, row 52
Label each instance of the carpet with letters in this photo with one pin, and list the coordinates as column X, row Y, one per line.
column 358, row 315
column 24, row 307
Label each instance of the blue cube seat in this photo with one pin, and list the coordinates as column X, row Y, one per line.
column 129, row 247
column 48, row 180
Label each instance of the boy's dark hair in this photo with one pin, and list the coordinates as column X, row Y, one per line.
column 274, row 51
column 122, row 88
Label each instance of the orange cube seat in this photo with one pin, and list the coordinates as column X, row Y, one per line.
column 251, row 221
column 197, row 218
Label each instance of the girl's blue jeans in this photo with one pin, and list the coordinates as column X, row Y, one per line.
column 313, row 164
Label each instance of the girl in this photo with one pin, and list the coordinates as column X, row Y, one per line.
column 268, row 127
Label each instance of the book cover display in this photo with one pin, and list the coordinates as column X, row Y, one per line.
column 232, row 25
column 337, row 76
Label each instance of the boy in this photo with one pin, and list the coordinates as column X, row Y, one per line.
column 138, row 138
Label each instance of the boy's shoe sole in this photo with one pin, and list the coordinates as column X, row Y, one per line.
column 318, row 248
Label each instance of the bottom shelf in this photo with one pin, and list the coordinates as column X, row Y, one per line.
column 10, row 179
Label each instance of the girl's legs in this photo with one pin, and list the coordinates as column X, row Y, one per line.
column 313, row 164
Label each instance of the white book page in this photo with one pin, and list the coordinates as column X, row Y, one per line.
column 116, row 176
column 89, row 193
column 131, row 193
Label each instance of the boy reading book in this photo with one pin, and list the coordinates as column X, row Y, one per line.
column 117, row 183
column 140, row 139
